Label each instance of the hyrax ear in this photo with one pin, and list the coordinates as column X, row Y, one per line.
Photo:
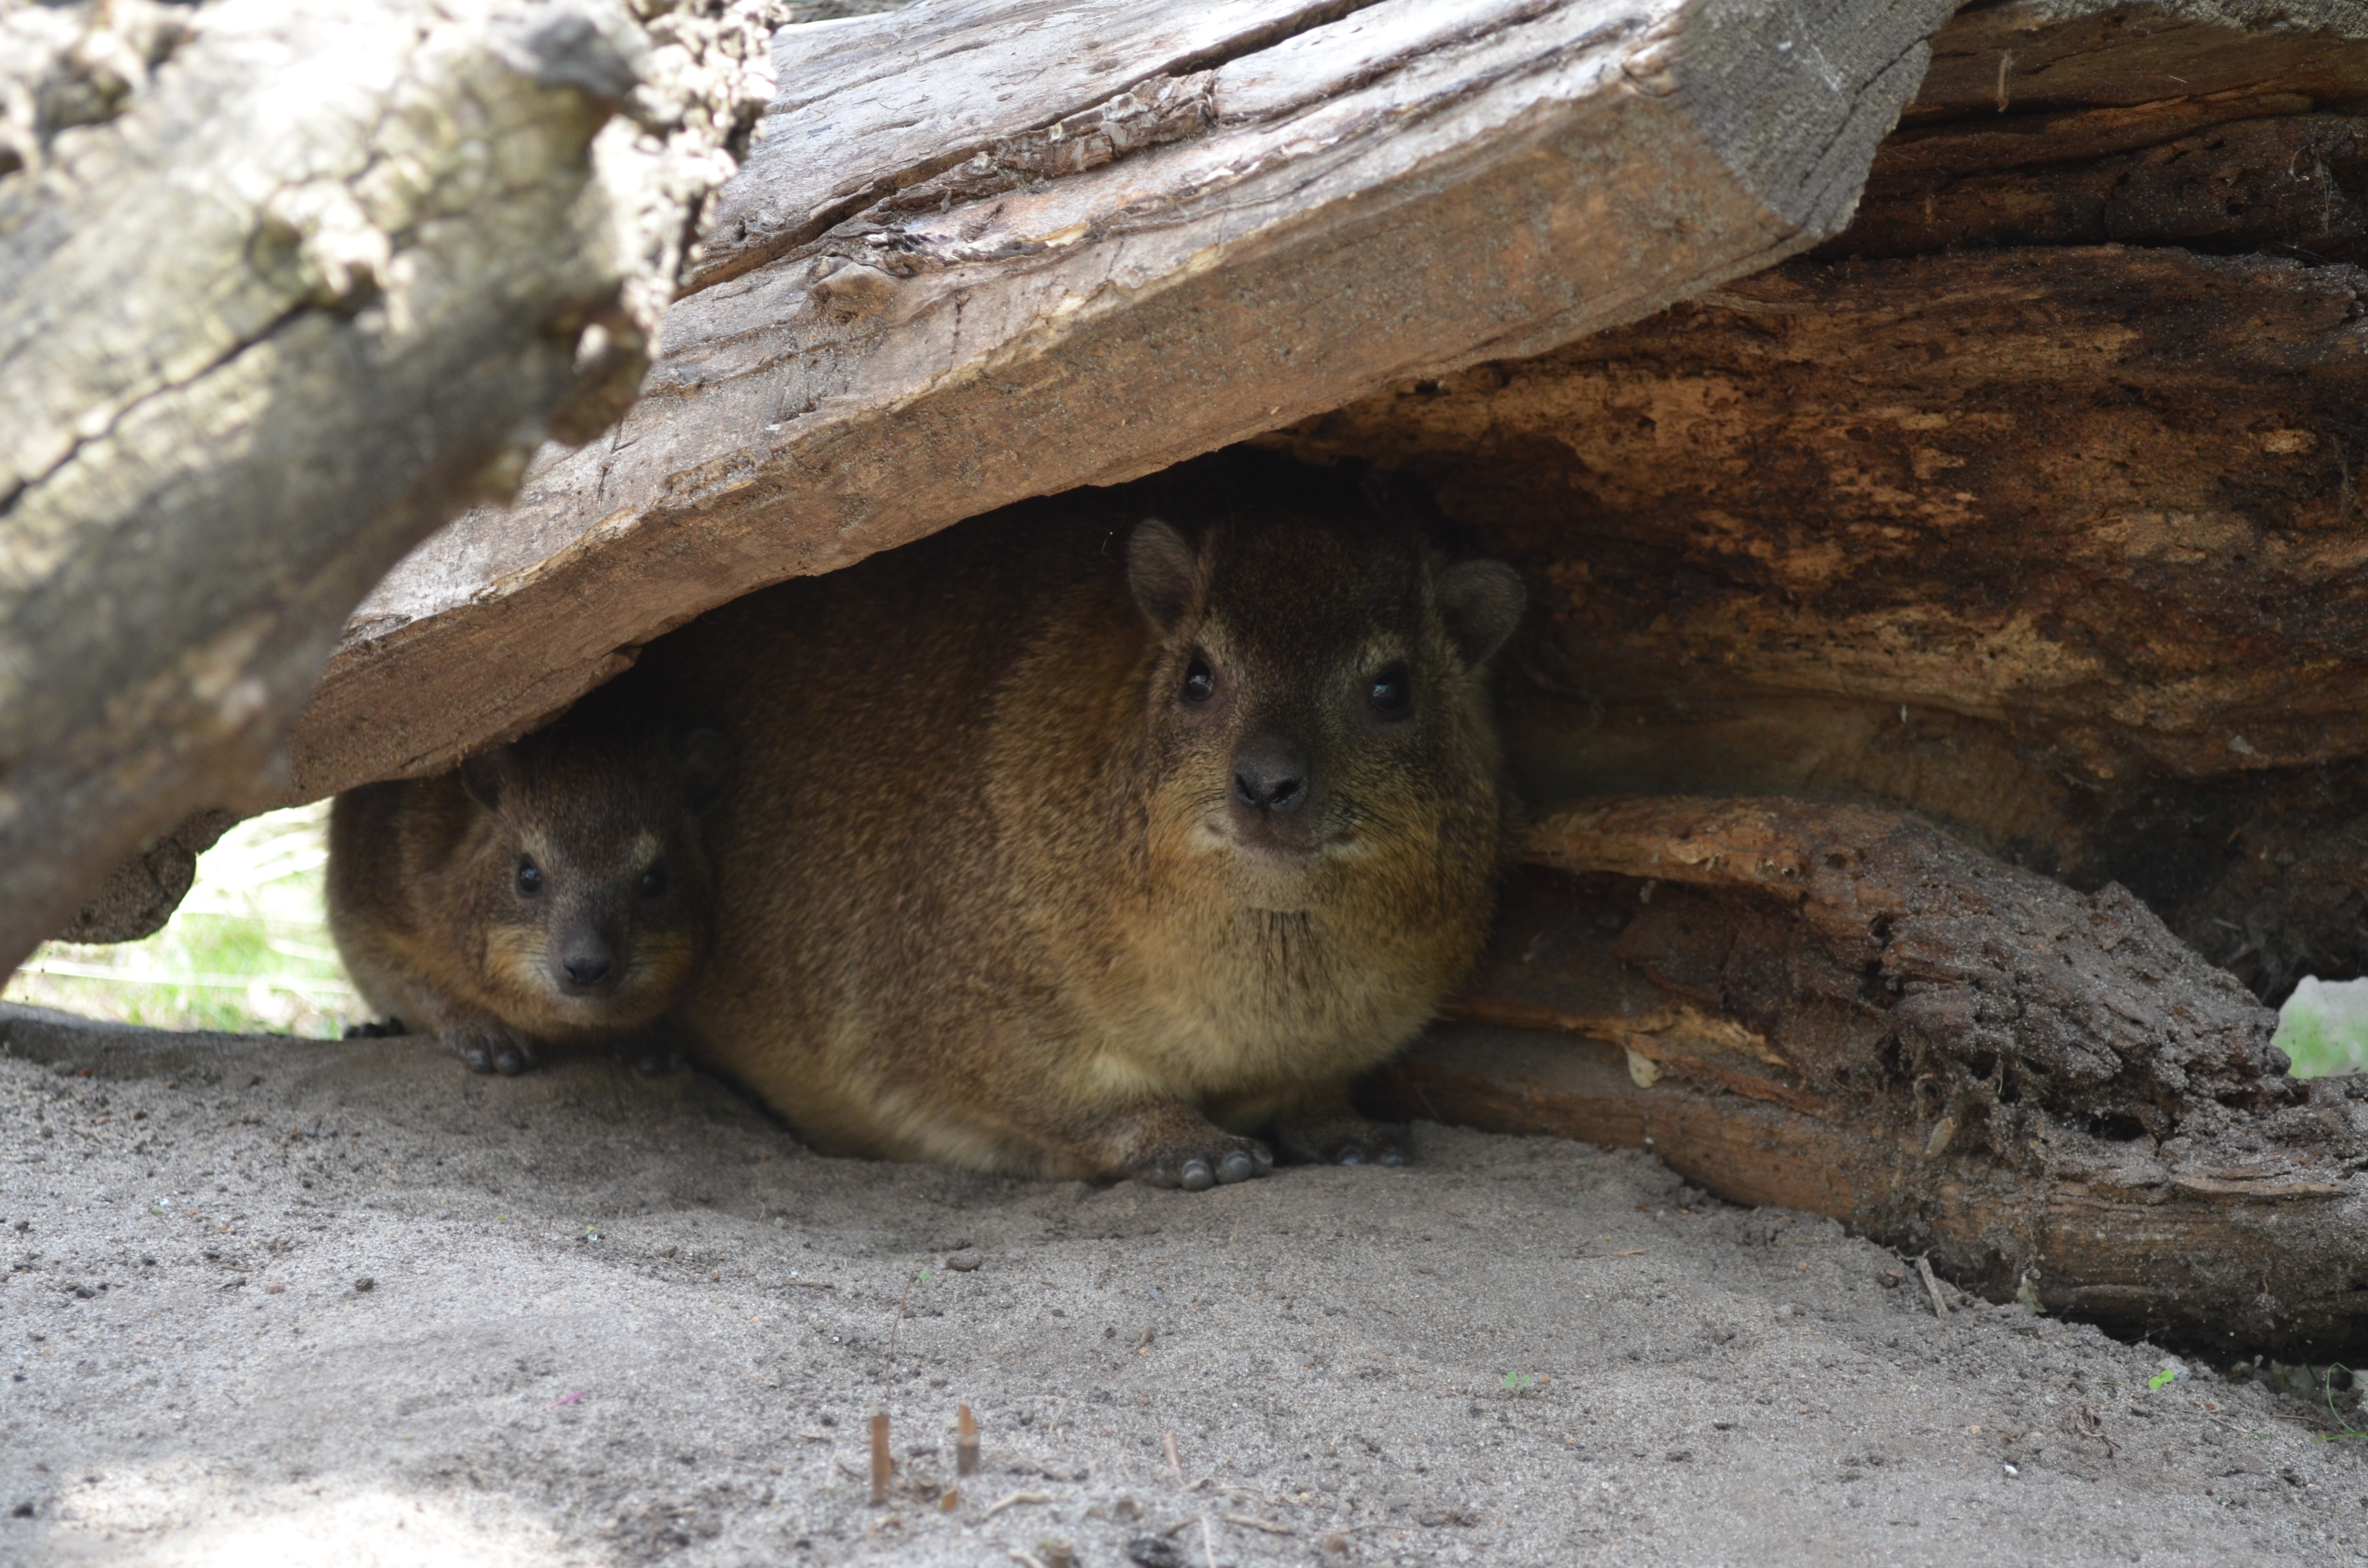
column 1163, row 571
column 481, row 777
column 705, row 758
column 1481, row 601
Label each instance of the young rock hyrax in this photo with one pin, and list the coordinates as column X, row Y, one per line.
column 551, row 891
column 1087, row 845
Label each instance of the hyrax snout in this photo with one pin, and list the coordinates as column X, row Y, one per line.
column 552, row 892
column 1075, row 842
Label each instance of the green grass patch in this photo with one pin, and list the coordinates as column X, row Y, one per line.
column 2323, row 1027
column 248, row 952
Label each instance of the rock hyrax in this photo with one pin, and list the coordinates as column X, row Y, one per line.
column 551, row 891
column 1086, row 846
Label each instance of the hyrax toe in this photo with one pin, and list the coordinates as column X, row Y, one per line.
column 385, row 1028
column 1342, row 1140
column 654, row 1052
column 647, row 1059
column 1226, row 1160
column 491, row 1049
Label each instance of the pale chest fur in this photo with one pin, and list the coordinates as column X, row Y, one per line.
column 1198, row 994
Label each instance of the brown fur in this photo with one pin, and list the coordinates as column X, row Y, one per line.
column 425, row 901
column 981, row 896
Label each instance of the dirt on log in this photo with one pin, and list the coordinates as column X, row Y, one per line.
column 1840, row 1008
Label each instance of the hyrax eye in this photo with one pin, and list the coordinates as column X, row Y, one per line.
column 654, row 883
column 1200, row 680
column 1392, row 692
column 529, row 877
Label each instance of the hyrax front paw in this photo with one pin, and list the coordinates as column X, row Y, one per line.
column 1343, row 1140
column 658, row 1049
column 1211, row 1161
column 652, row 1056
column 385, row 1028
column 490, row 1048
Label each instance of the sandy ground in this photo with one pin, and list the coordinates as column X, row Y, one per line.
column 610, row 1320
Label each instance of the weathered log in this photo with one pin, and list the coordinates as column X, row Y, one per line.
column 1964, row 533
column 986, row 252
column 286, row 284
column 2053, row 543
column 2174, row 127
column 1839, row 1008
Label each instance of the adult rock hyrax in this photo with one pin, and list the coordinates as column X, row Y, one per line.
column 1086, row 844
column 552, row 892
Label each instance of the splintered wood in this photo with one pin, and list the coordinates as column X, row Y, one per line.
column 1850, row 1013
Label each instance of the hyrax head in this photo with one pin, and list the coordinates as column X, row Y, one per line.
column 589, row 882
column 1317, row 698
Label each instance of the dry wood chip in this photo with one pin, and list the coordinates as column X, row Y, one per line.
column 1016, row 1499
column 1257, row 1524
column 1940, row 1302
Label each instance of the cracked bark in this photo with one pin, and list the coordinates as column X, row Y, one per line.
column 287, row 286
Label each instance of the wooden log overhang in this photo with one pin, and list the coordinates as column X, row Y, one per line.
column 981, row 253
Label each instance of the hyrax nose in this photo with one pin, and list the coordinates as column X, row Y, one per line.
column 588, row 969
column 1271, row 775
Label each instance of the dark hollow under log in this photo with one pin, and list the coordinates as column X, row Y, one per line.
column 1840, row 1008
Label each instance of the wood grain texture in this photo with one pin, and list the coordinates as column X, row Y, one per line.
column 1964, row 532
column 1837, row 1009
column 2167, row 125
column 283, row 285
column 1397, row 189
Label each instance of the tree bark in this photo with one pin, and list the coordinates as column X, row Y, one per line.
column 287, row 283
column 1839, row 1008
column 983, row 254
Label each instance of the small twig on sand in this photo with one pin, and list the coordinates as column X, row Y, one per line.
column 1257, row 1524
column 965, row 1442
column 1940, row 1302
column 1208, row 1544
column 1175, row 1462
column 1015, row 1500
column 1026, row 1559
column 888, row 1367
column 882, row 1467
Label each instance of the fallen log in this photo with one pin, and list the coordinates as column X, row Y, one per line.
column 1839, row 1008
column 2051, row 541
column 283, row 285
column 989, row 252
